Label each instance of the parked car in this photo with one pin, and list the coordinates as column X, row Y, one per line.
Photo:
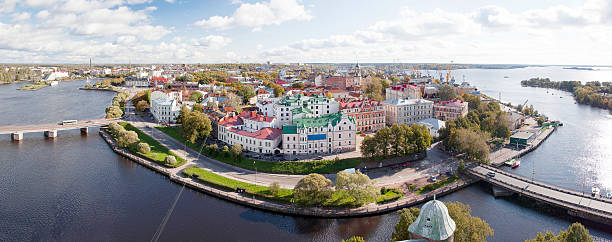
column 491, row 174
column 433, row 179
column 319, row 158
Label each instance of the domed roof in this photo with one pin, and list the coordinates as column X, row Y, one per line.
column 433, row 222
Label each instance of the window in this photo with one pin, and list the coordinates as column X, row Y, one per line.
column 339, row 136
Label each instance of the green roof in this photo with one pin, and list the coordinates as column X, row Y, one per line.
column 307, row 122
column 289, row 129
column 300, row 110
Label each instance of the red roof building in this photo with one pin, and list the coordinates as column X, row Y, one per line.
column 369, row 115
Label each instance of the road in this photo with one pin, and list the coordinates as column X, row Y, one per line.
column 382, row 177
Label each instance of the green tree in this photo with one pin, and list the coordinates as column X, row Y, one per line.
column 225, row 150
column 141, row 105
column 472, row 143
column 407, row 217
column 447, row 92
column 298, row 85
column 246, row 92
column 355, row 238
column 197, row 108
column 195, row 126
column 170, row 160
column 541, row 121
column 127, row 138
column 236, row 151
column 468, row 228
column 473, row 101
column 278, row 91
column 144, row 148
column 574, row 233
column 234, row 101
column 312, row 189
column 357, row 185
column 183, row 113
column 461, row 166
column 196, row 97
column 502, row 132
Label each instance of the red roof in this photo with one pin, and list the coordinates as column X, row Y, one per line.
column 265, row 133
column 231, row 121
column 360, row 103
column 401, row 87
column 256, row 117
column 159, row 79
column 452, row 103
column 281, row 82
column 261, row 91
column 337, row 91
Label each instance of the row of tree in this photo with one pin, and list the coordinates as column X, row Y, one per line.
column 115, row 110
column 470, row 134
column 315, row 189
column 399, row 140
column 591, row 93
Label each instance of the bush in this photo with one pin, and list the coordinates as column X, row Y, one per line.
column 461, row 166
column 170, row 160
column 412, row 187
column 144, row 148
column 237, row 151
column 355, row 239
column 274, row 188
column 434, row 186
column 127, row 138
column 225, row 150
column 212, row 149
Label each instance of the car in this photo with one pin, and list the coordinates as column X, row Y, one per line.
column 319, row 158
column 433, row 179
column 491, row 174
column 296, row 159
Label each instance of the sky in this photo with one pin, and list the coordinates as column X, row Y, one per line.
column 567, row 32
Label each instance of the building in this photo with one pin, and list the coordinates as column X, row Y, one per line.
column 369, row 115
column 433, row 125
column 407, row 111
column 402, row 91
column 433, row 223
column 522, row 138
column 136, row 82
column 338, row 93
column 165, row 109
column 338, row 82
column 319, row 135
column 296, row 106
column 450, row 110
column 254, row 132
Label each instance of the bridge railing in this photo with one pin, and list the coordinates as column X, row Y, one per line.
column 551, row 187
column 559, row 201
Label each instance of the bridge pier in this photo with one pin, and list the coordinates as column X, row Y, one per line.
column 84, row 131
column 500, row 192
column 52, row 134
column 18, row 136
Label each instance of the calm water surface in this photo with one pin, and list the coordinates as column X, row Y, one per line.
column 76, row 188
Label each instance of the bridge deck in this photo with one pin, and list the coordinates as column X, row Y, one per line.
column 29, row 128
column 600, row 207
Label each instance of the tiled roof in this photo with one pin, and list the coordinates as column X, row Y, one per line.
column 231, row 121
column 265, row 133
column 452, row 103
column 356, row 104
column 256, row 117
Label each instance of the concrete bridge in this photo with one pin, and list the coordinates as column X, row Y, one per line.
column 576, row 204
column 50, row 129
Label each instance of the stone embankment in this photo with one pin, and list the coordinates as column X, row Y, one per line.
column 290, row 209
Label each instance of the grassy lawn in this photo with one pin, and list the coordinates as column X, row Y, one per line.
column 283, row 167
column 434, row 186
column 388, row 195
column 284, row 195
column 158, row 152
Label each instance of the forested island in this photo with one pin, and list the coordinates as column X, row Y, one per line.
column 594, row 93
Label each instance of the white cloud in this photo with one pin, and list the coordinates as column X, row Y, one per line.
column 7, row 6
column 212, row 41
column 257, row 15
column 21, row 17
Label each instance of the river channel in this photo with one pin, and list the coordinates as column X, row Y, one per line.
column 76, row 188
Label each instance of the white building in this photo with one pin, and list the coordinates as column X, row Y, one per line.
column 433, row 125
column 165, row 107
column 402, row 91
column 407, row 111
column 254, row 132
column 291, row 107
column 319, row 135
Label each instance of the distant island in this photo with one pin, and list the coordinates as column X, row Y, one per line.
column 594, row 93
column 579, row 68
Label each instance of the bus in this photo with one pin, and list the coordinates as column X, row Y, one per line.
column 69, row 122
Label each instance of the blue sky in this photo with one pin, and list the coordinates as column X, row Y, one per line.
column 184, row 31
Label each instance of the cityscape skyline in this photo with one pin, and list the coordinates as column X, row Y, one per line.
column 290, row 31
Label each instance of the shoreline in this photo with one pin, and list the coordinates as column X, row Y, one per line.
column 287, row 209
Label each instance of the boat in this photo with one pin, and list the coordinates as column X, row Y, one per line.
column 560, row 97
column 510, row 162
column 516, row 163
column 54, row 83
column 594, row 191
column 506, row 77
column 609, row 195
